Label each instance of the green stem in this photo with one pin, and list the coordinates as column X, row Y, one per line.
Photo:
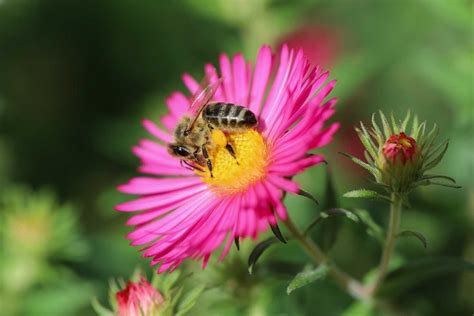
column 395, row 211
column 350, row 285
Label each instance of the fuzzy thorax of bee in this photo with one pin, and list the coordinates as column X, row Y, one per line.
column 233, row 175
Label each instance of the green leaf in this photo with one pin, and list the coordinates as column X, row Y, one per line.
column 99, row 309
column 359, row 216
column 415, row 272
column 409, row 233
column 327, row 235
column 360, row 308
column 305, row 277
column 366, row 194
column 330, row 194
column 189, row 299
column 371, row 227
column 334, row 212
column 258, row 251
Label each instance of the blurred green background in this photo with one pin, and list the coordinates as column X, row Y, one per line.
column 77, row 77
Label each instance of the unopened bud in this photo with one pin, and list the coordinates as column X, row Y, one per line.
column 400, row 147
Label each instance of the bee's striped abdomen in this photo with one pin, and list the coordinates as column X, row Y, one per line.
column 228, row 115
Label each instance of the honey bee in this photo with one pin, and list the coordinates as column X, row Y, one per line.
column 192, row 136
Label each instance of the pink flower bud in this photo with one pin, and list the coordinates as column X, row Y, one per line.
column 138, row 299
column 401, row 147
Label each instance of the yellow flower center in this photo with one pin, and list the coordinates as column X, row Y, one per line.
column 232, row 175
column 405, row 143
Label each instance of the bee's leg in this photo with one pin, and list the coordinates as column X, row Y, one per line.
column 182, row 163
column 206, row 156
column 231, row 151
column 190, row 166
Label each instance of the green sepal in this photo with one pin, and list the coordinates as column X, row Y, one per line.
column 364, row 165
column 308, row 195
column 404, row 125
column 237, row 242
column 276, row 231
column 386, row 126
column 168, row 282
column 189, row 300
column 258, row 251
column 99, row 309
column 435, row 161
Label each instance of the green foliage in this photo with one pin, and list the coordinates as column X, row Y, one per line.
column 358, row 216
column 307, row 276
column 421, row 270
column 419, row 236
column 38, row 234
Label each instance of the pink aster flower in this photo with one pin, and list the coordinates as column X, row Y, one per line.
column 322, row 44
column 182, row 213
column 138, row 299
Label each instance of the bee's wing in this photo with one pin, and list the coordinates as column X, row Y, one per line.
column 203, row 95
column 201, row 99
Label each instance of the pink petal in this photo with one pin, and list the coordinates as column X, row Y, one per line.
column 145, row 185
column 227, row 78
column 155, row 131
column 263, row 68
column 241, row 88
column 159, row 200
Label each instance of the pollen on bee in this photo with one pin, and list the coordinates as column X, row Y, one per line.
column 232, row 175
column 218, row 137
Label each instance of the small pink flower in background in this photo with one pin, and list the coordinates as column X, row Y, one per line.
column 138, row 299
column 184, row 214
column 400, row 146
column 322, row 44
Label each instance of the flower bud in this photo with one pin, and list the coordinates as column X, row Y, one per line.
column 138, row 299
column 163, row 296
column 400, row 147
column 399, row 159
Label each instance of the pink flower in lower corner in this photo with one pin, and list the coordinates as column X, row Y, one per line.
column 182, row 213
column 138, row 298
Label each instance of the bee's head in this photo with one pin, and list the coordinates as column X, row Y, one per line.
column 179, row 150
column 182, row 128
